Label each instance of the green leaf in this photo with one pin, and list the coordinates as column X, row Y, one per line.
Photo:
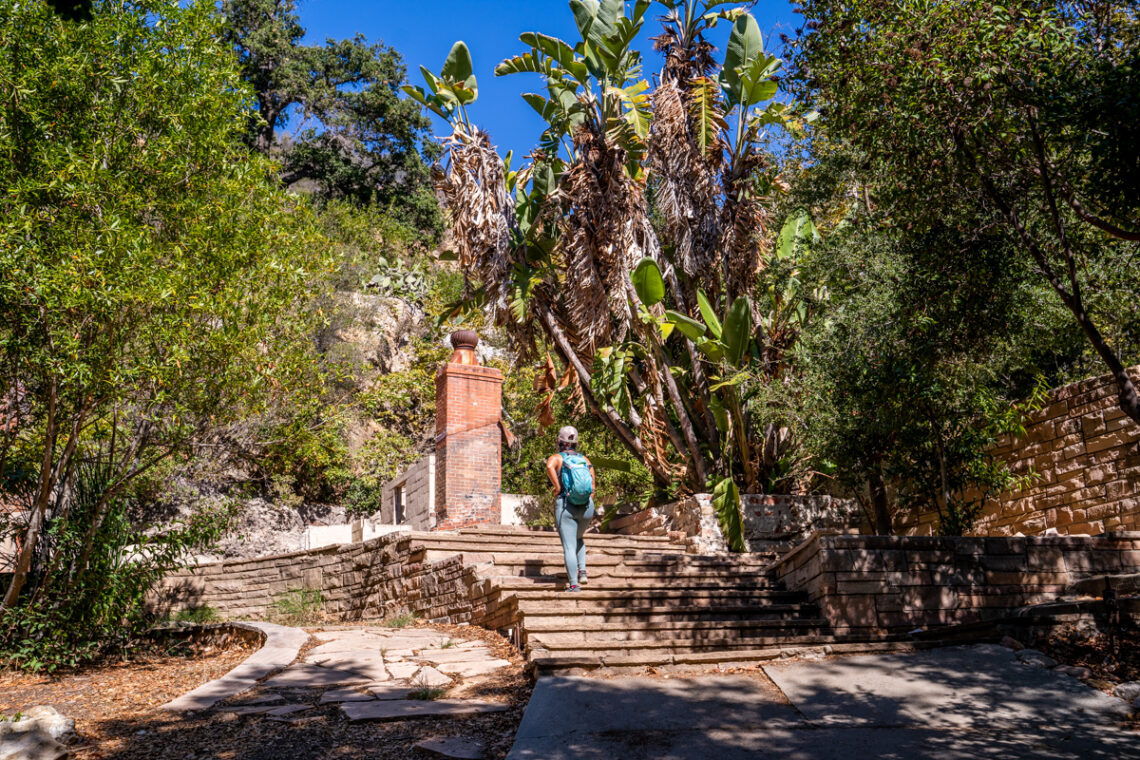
column 457, row 67
column 546, row 109
column 527, row 63
column 648, row 282
column 720, row 414
column 756, row 84
column 726, row 504
column 738, row 330
column 689, row 327
column 605, row 463
column 709, row 314
column 744, row 44
column 732, row 382
column 713, row 349
column 796, row 236
column 429, row 101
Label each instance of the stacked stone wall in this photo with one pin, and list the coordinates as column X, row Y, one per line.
column 357, row 581
column 772, row 523
column 870, row 585
column 1083, row 458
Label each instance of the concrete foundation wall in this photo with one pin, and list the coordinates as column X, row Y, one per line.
column 880, row 584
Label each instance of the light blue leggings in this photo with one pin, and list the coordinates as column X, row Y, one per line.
column 572, row 522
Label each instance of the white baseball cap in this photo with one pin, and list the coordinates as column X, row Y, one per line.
column 568, row 434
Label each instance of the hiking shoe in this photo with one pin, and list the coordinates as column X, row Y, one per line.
column 573, row 587
column 582, row 578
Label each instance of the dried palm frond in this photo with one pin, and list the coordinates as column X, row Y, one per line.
column 475, row 194
column 683, row 62
column 744, row 225
column 605, row 231
column 686, row 148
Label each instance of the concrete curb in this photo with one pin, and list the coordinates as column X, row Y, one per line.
column 281, row 646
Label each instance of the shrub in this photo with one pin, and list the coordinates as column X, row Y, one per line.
column 298, row 606
column 87, row 594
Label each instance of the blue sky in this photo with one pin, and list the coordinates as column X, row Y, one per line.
column 423, row 32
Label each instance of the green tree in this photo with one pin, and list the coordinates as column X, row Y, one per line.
column 904, row 367
column 1020, row 117
column 150, row 266
column 368, row 144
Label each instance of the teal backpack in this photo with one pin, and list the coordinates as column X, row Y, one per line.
column 577, row 483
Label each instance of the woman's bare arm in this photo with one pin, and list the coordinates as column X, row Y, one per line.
column 554, row 472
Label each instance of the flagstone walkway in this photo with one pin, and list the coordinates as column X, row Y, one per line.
column 957, row 703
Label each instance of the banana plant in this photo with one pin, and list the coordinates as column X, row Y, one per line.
column 598, row 78
column 450, row 92
column 667, row 337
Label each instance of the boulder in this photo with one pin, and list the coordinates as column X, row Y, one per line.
column 1035, row 658
column 1128, row 691
column 31, row 745
column 37, row 735
column 43, row 718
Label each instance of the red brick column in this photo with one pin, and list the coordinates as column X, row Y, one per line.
column 468, row 467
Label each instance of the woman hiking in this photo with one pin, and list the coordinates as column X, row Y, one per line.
column 572, row 478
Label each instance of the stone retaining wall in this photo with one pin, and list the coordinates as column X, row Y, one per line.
column 870, row 585
column 772, row 523
column 1086, row 455
column 356, row 581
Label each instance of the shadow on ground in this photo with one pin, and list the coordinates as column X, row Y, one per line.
column 952, row 704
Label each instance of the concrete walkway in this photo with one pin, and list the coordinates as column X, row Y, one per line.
column 947, row 704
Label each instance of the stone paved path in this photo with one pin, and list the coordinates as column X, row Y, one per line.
column 377, row 674
column 956, row 703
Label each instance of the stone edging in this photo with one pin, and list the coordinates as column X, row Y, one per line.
column 280, row 647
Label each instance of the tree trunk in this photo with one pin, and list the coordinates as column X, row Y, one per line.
column 39, row 505
column 879, row 505
column 607, row 416
column 1126, row 394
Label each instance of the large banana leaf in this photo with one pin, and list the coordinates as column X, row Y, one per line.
column 744, row 43
column 726, row 503
column 648, row 282
column 689, row 327
column 796, row 236
column 457, row 67
column 709, row 314
column 738, row 330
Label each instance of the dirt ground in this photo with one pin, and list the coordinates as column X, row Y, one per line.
column 114, row 708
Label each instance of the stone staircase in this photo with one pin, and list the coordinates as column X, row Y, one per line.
column 647, row 603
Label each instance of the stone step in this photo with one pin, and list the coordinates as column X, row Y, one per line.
column 534, row 615
column 533, row 533
column 568, row 629
column 661, row 648
column 635, row 562
column 627, row 597
column 545, row 662
column 507, row 544
column 554, row 582
column 552, row 552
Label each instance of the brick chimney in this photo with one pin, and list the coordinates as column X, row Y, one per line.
column 468, row 466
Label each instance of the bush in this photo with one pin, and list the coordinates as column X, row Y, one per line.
column 299, row 606
column 203, row 614
column 86, row 595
